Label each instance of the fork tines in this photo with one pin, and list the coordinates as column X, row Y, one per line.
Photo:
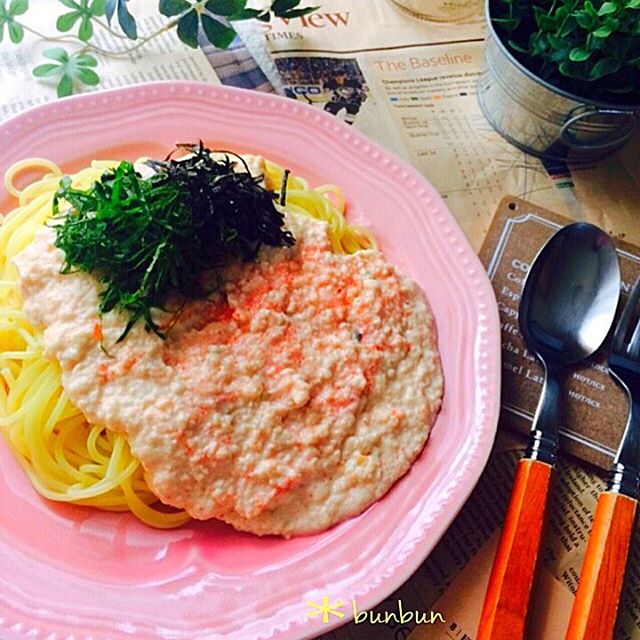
column 622, row 342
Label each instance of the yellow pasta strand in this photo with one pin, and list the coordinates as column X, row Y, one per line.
column 326, row 202
column 28, row 164
column 66, row 458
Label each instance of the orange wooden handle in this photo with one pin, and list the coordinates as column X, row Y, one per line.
column 595, row 608
column 507, row 599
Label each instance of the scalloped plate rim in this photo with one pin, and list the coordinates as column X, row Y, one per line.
column 478, row 455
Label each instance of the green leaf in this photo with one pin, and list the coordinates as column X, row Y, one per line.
column 46, row 70
column 572, row 70
column 217, row 33
column 71, row 4
column 225, row 7
column 557, row 42
column 110, row 9
column 126, row 21
column 612, row 22
column 65, row 86
column 96, row 8
column 589, row 8
column 632, row 4
column 607, row 8
column 85, row 60
column 537, row 46
column 86, row 29
column 296, row 13
column 66, row 21
column 56, row 53
column 602, row 32
column 87, row 76
column 509, row 24
column 586, row 20
column 18, row 7
column 570, row 25
column 171, row 8
column 16, row 32
column 278, row 6
column 517, row 47
column 544, row 21
column 559, row 56
column 188, row 29
column 604, row 67
column 579, row 54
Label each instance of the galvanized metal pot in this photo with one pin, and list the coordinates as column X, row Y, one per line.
column 543, row 120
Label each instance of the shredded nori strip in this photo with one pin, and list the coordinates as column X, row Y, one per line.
column 283, row 190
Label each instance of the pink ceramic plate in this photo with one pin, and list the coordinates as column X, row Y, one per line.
column 68, row 571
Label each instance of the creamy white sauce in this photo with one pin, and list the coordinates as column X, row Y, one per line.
column 291, row 400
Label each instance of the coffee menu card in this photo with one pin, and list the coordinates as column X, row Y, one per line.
column 595, row 408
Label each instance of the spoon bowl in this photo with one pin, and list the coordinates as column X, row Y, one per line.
column 570, row 295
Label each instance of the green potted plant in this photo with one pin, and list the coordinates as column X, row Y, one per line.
column 563, row 76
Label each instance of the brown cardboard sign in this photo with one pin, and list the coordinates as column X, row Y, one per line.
column 595, row 408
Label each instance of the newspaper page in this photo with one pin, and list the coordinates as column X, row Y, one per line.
column 410, row 84
column 164, row 58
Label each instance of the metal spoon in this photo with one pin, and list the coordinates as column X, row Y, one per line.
column 567, row 309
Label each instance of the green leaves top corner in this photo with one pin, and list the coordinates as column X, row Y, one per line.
column 82, row 12
column 8, row 13
column 195, row 21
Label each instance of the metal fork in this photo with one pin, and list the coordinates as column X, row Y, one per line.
column 595, row 607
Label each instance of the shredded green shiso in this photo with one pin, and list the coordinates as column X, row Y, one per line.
column 145, row 238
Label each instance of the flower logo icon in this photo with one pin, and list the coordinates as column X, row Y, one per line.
column 325, row 609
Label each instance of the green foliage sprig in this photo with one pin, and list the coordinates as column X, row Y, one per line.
column 77, row 67
column 587, row 47
column 193, row 20
column 147, row 239
column 8, row 16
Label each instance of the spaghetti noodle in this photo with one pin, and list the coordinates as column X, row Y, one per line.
column 66, row 458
